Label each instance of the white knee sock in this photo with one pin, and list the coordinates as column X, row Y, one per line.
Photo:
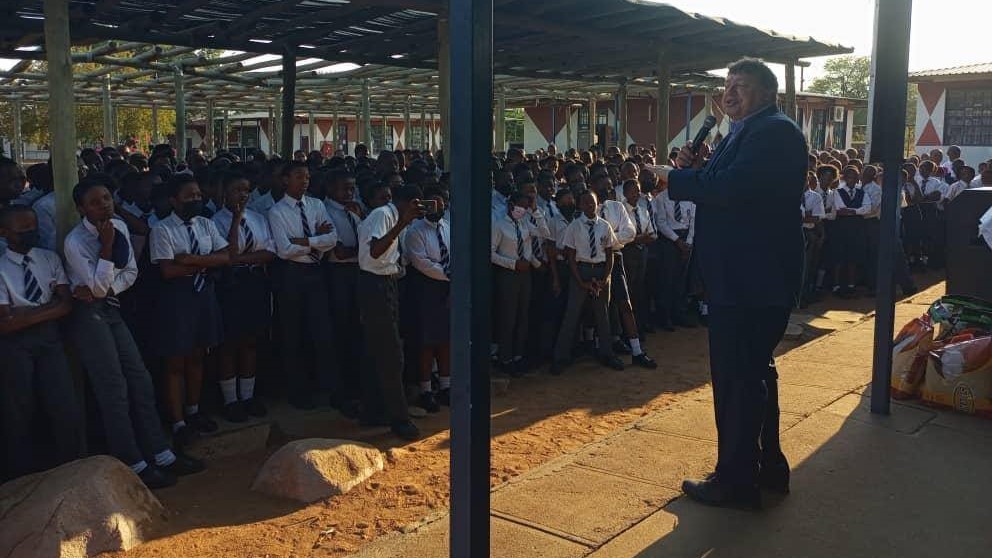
column 246, row 388
column 229, row 389
column 635, row 346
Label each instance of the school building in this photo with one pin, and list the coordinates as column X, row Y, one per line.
column 955, row 108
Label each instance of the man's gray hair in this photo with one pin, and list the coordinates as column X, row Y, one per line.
column 756, row 68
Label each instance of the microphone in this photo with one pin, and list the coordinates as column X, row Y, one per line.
column 701, row 136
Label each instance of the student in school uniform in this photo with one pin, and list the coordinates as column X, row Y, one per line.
column 965, row 176
column 303, row 233
column 850, row 245
column 934, row 191
column 378, row 301
column 538, row 349
column 635, row 253
column 653, row 303
column 560, row 272
column 270, row 188
column 101, row 266
column 244, row 295
column 41, row 198
column 186, row 246
column 427, row 245
column 813, row 214
column 623, row 227
column 873, row 194
column 675, row 223
column 342, row 279
column 827, row 176
column 589, row 243
column 34, row 296
column 512, row 254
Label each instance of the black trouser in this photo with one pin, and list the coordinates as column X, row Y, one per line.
column 771, row 447
column 382, row 383
column 342, row 279
column 741, row 341
column 672, row 287
column 121, row 383
column 814, row 242
column 577, row 299
column 540, row 342
column 635, row 262
column 35, row 376
column 309, row 363
column 513, row 290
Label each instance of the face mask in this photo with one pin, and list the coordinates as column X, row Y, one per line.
column 434, row 217
column 568, row 211
column 191, row 209
column 29, row 239
column 518, row 212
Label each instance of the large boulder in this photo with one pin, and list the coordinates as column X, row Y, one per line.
column 77, row 510
column 316, row 468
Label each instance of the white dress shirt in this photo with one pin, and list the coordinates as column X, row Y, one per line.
column 377, row 225
column 346, row 224
column 813, row 203
column 263, row 203
column 852, row 192
column 538, row 222
column 616, row 215
column 255, row 222
column 548, row 207
column 170, row 237
column 45, row 266
column 44, row 208
column 954, row 190
column 576, row 237
column 639, row 214
column 87, row 269
column 505, row 247
column 873, row 192
column 286, row 222
column 664, row 217
column 557, row 226
column 934, row 184
column 498, row 204
column 422, row 250
column 976, row 183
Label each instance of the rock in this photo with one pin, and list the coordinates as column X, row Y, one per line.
column 316, row 468
column 80, row 509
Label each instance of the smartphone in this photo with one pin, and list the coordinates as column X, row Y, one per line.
column 428, row 206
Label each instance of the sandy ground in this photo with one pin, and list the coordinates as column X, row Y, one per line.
column 215, row 515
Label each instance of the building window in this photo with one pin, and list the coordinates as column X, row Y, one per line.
column 379, row 143
column 249, row 136
column 515, row 127
column 583, row 119
column 968, row 117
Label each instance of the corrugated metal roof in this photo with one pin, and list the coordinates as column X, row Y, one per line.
column 968, row 70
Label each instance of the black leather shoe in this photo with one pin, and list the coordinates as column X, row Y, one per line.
column 612, row 362
column 644, row 361
column 620, row 348
column 428, row 402
column 713, row 492
column 444, row 397
column 774, row 478
column 185, row 465
column 183, row 437
column 201, row 423
column 255, row 407
column 406, row 430
column 155, row 478
column 235, row 412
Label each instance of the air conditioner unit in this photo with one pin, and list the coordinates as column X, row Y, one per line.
column 838, row 114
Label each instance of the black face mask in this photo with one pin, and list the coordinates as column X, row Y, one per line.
column 28, row 239
column 434, row 217
column 568, row 211
column 191, row 209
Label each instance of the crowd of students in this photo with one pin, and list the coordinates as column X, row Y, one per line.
column 179, row 272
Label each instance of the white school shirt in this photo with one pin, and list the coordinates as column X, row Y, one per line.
column 976, row 183
column 44, row 208
column 377, row 225
column 45, row 266
column 933, row 184
column 576, row 237
column 812, row 202
column 838, row 201
column 28, row 197
column 262, row 203
column 421, row 248
column 503, row 249
column 616, row 215
column 948, row 166
column 498, row 204
column 170, row 237
column 255, row 221
column 873, row 192
column 346, row 224
column 664, row 217
column 285, row 222
column 537, row 220
column 557, row 226
column 88, row 269
column 548, row 207
column 954, row 190
column 640, row 211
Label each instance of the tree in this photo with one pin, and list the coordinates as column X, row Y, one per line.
column 846, row 76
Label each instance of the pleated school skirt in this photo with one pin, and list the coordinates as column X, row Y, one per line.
column 187, row 320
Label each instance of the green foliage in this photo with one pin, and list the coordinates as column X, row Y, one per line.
column 846, row 76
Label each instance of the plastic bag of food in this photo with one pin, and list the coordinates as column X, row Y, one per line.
column 909, row 357
column 957, row 313
column 959, row 375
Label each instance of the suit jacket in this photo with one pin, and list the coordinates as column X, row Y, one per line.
column 749, row 240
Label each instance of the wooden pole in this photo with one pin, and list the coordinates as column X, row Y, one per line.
column 209, row 133
column 366, row 115
column 790, row 91
column 154, row 125
column 225, row 130
column 180, row 114
column 661, row 133
column 500, row 124
column 385, row 133
column 271, row 132
column 108, row 117
column 406, row 124
column 17, row 145
column 568, row 125
column 277, row 131
column 61, row 113
column 622, row 117
column 288, row 136
column 444, row 78
column 593, row 122
column 423, row 129
column 312, row 131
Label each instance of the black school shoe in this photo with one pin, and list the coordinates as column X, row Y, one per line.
column 255, row 407
column 406, row 430
column 775, row 478
column 444, row 397
column 621, row 348
column 154, row 478
column 185, row 465
column 184, row 437
column 201, row 423
column 428, row 402
column 713, row 492
column 235, row 411
column 612, row 362
column 644, row 361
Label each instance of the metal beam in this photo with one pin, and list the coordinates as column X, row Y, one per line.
column 468, row 151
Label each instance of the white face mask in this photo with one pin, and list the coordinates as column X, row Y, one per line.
column 518, row 212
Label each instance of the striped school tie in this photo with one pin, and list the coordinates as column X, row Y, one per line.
column 32, row 290
column 445, row 259
column 535, row 242
column 678, row 211
column 307, row 233
column 199, row 278
column 520, row 240
column 249, row 237
column 354, row 224
column 592, row 239
column 637, row 219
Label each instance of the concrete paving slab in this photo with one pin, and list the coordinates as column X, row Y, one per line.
column 659, row 458
column 903, row 418
column 508, row 540
column 804, row 400
column 589, row 504
column 965, row 424
column 835, row 376
column 639, row 538
column 692, row 419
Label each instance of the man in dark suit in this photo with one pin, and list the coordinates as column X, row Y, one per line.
column 749, row 247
